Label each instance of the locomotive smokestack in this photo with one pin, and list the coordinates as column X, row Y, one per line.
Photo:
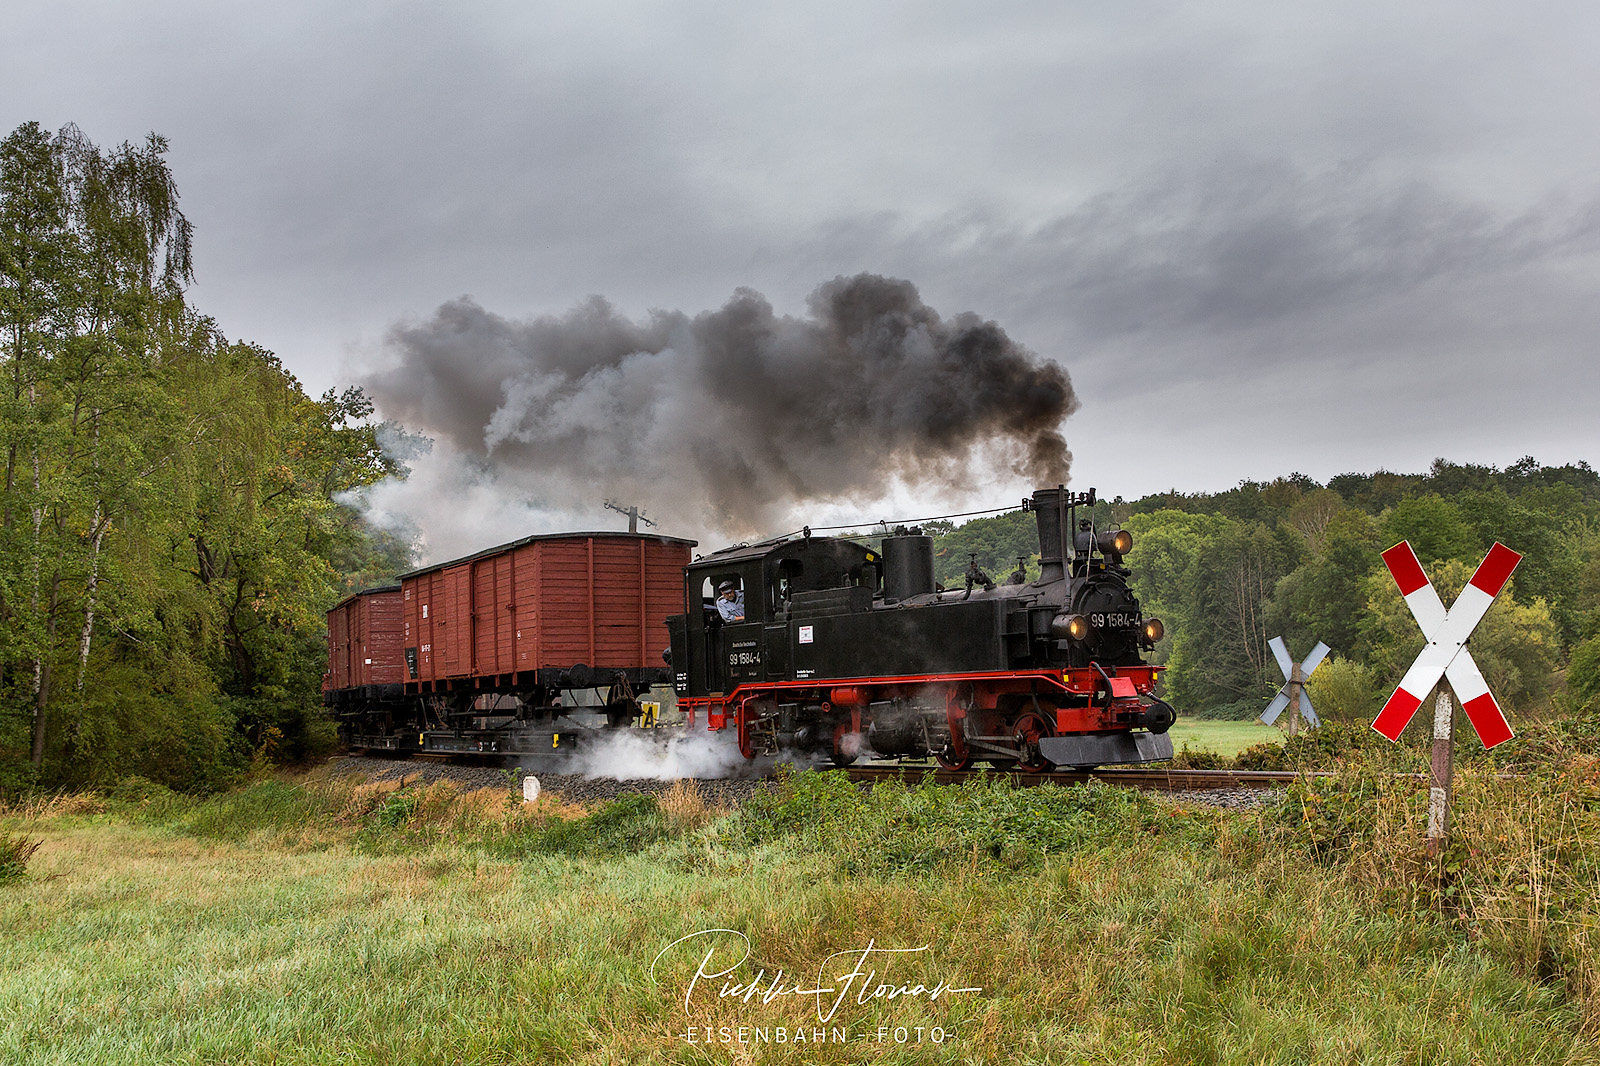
column 734, row 418
column 1050, row 514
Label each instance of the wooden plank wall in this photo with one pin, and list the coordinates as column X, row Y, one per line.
column 558, row 602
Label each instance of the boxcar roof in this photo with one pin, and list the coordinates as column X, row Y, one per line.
column 363, row 592
column 498, row 548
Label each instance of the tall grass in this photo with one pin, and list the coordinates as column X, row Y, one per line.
column 15, row 851
column 318, row 920
column 1520, row 878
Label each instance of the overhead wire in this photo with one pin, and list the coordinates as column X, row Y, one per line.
column 888, row 523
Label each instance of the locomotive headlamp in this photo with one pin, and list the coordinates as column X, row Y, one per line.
column 1153, row 630
column 1069, row 626
column 1115, row 542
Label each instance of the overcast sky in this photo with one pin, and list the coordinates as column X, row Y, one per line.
column 1259, row 237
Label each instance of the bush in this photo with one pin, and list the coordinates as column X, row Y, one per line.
column 186, row 741
column 1331, row 816
column 1344, row 691
column 626, row 824
column 266, row 805
column 1266, row 756
column 14, row 855
column 1339, row 742
column 1583, row 675
column 147, row 799
column 1188, row 759
column 397, row 810
column 927, row 826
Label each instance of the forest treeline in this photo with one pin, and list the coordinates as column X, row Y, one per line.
column 170, row 524
column 1298, row 559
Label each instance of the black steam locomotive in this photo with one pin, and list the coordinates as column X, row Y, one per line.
column 840, row 648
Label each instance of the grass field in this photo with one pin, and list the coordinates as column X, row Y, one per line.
column 1224, row 738
column 307, row 922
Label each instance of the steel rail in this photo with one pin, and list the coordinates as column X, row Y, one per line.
column 1151, row 779
column 1161, row 780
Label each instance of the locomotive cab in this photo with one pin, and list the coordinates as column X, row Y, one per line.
column 712, row 656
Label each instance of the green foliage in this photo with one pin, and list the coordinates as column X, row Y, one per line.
column 1329, row 817
column 1344, row 691
column 396, row 810
column 1241, row 710
column 270, row 805
column 169, row 531
column 147, row 801
column 623, row 825
column 1221, row 655
column 1323, row 598
column 1338, row 744
column 1376, row 492
column 1332, row 746
column 1435, row 527
column 17, row 774
column 1260, row 757
column 927, row 826
column 1167, row 544
column 998, row 542
column 1189, row 759
column 1583, row 675
column 15, row 851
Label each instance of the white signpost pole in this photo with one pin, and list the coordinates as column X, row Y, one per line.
column 1440, row 770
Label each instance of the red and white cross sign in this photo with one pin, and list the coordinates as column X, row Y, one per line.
column 1447, row 632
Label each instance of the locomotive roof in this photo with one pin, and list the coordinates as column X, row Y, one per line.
column 609, row 534
column 363, row 592
column 762, row 549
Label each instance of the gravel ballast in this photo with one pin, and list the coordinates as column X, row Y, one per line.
column 576, row 788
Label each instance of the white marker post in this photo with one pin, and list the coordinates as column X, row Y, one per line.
column 1440, row 770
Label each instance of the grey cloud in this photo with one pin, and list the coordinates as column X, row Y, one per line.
column 737, row 415
column 1237, row 247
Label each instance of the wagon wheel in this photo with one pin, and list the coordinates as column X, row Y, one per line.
column 1026, row 731
column 846, row 744
column 955, row 755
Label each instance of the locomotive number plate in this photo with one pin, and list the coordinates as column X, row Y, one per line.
column 1114, row 620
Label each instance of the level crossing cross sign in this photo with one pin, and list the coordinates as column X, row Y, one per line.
column 1293, row 684
column 1446, row 654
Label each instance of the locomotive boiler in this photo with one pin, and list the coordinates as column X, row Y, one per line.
column 840, row 648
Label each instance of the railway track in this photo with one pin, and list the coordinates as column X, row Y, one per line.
column 1159, row 780
column 1150, row 779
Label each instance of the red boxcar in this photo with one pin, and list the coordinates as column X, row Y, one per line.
column 518, row 614
column 364, row 640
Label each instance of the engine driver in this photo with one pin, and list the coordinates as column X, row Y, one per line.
column 730, row 602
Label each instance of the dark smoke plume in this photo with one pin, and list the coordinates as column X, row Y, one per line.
column 734, row 415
